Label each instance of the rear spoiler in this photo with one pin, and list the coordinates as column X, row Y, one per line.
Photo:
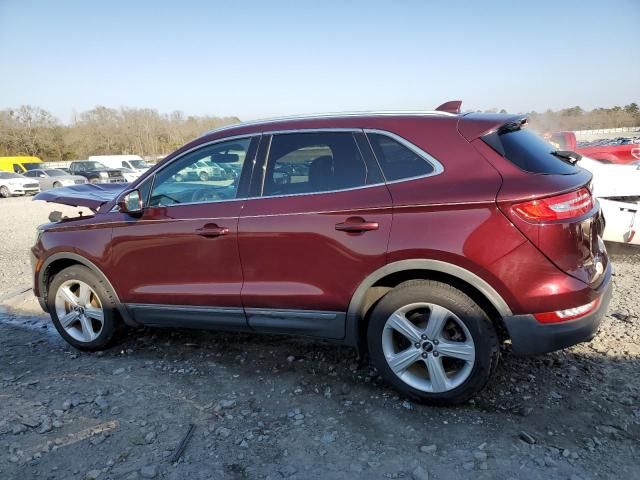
column 475, row 125
column 452, row 106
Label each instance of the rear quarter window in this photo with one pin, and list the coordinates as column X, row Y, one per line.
column 397, row 161
column 529, row 152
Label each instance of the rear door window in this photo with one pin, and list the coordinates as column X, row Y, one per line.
column 529, row 152
column 398, row 161
column 315, row 162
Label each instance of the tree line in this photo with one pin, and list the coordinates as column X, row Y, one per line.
column 30, row 130
column 575, row 118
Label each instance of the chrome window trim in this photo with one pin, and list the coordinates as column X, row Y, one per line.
column 438, row 168
column 312, row 116
column 312, row 130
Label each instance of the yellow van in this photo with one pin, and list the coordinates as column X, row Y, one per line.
column 18, row 164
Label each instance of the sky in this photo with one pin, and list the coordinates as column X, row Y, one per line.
column 256, row 59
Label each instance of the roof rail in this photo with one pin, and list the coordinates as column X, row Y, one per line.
column 331, row 115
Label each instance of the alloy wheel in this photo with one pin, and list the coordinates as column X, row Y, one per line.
column 428, row 347
column 79, row 310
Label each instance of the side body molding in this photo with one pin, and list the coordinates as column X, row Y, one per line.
column 354, row 314
column 91, row 266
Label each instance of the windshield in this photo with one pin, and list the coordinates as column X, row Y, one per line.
column 91, row 165
column 55, row 173
column 10, row 175
column 139, row 164
column 32, row 165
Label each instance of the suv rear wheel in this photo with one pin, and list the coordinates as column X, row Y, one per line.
column 83, row 308
column 432, row 342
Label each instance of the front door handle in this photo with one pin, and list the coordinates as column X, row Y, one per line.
column 212, row 230
column 357, row 225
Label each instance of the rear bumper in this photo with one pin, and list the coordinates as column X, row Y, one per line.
column 530, row 337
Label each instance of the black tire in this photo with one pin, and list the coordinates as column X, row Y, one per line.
column 476, row 320
column 57, row 184
column 4, row 192
column 112, row 324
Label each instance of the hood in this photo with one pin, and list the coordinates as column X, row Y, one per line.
column 86, row 195
column 612, row 180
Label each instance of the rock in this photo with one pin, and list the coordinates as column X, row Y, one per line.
column 66, row 405
column 101, row 402
column 429, row 448
column 150, row 437
column 223, row 432
column 30, row 422
column 483, row 466
column 468, row 465
column 525, row 411
column 45, row 426
column 118, row 371
column 18, row 429
column 92, row 475
column 288, row 471
column 480, row 456
column 525, row 437
column 115, row 411
column 328, row 437
column 420, row 474
column 149, row 471
column 226, row 404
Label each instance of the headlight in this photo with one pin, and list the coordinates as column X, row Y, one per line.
column 103, row 174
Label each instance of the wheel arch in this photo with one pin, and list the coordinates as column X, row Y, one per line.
column 59, row 261
column 378, row 283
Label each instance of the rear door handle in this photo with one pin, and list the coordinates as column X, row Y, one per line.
column 212, row 231
column 357, row 225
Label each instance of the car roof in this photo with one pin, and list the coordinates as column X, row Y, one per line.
column 304, row 119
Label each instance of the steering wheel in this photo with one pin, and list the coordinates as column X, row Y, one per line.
column 204, row 195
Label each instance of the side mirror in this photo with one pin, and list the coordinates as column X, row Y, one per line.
column 131, row 203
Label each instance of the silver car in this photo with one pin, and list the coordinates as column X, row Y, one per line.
column 54, row 178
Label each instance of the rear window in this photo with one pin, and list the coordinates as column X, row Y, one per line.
column 528, row 151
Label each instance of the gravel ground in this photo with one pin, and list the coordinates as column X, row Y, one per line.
column 277, row 407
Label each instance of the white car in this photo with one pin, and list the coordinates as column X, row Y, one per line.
column 130, row 175
column 617, row 188
column 203, row 170
column 133, row 163
column 53, row 178
column 14, row 184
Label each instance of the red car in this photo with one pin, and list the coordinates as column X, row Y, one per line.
column 624, row 153
column 425, row 239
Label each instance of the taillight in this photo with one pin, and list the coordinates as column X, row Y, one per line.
column 568, row 314
column 558, row 207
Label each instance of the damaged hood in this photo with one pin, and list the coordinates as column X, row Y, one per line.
column 89, row 195
column 611, row 180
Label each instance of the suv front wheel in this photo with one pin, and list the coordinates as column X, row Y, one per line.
column 82, row 308
column 432, row 342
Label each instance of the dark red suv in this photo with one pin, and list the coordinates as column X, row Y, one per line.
column 425, row 239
